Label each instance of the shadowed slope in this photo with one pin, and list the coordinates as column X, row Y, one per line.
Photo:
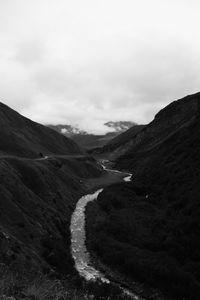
column 145, row 137
column 152, row 223
column 23, row 137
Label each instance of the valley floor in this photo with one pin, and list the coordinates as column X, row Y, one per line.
column 50, row 274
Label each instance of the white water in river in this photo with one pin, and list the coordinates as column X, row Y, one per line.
column 79, row 252
column 78, row 247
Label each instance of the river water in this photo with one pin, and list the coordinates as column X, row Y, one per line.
column 78, row 236
column 79, row 252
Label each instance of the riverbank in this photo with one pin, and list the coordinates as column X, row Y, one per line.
column 95, row 215
column 87, row 263
column 129, row 233
column 81, row 256
column 93, row 212
column 106, row 179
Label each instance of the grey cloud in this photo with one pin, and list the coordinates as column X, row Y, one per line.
column 82, row 66
column 28, row 52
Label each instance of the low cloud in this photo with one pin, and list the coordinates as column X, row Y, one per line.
column 63, row 63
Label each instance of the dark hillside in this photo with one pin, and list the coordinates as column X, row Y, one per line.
column 37, row 197
column 124, row 137
column 168, row 130
column 90, row 141
column 111, row 146
column 36, row 202
column 23, row 137
column 143, row 138
column 152, row 224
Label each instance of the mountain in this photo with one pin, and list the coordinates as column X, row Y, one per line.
column 152, row 223
column 23, row 137
column 36, row 201
column 87, row 140
column 165, row 123
column 37, row 198
column 113, row 147
column 171, row 120
column 67, row 130
column 119, row 126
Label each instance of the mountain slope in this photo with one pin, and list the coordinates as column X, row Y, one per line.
column 168, row 122
column 87, row 140
column 165, row 123
column 123, row 138
column 23, row 137
column 37, row 198
column 152, row 223
column 110, row 146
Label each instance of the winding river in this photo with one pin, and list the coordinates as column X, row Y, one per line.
column 78, row 247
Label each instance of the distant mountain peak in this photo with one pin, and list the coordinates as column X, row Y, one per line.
column 71, row 130
column 89, row 140
column 67, row 129
column 120, row 126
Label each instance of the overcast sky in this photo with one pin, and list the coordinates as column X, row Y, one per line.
column 90, row 61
